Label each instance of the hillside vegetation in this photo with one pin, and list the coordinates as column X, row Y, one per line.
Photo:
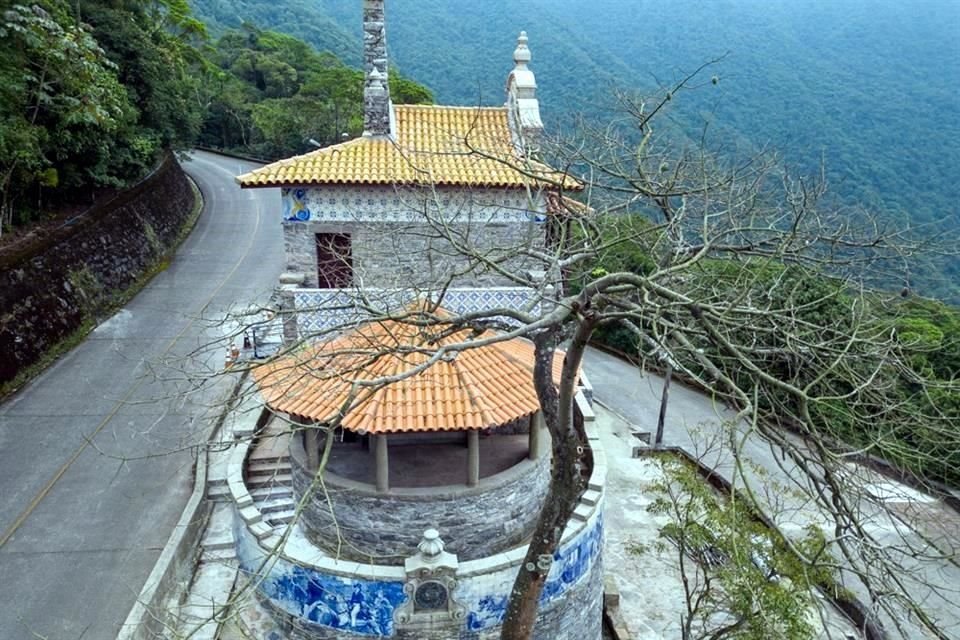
column 868, row 88
column 92, row 93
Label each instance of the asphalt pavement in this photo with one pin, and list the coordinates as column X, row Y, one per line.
column 96, row 455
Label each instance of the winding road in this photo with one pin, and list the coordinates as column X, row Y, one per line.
column 96, row 457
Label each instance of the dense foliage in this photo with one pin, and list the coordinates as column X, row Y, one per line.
column 741, row 581
column 270, row 94
column 824, row 311
column 91, row 93
column 868, row 88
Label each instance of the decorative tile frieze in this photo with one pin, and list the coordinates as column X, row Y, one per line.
column 324, row 310
column 340, row 203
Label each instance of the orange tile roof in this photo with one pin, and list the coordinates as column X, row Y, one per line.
column 466, row 146
column 474, row 388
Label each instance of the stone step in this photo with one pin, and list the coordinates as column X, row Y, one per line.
column 220, row 555
column 269, row 480
column 268, row 455
column 590, row 497
column 276, row 505
column 258, row 470
column 219, row 532
column 267, row 463
column 218, row 493
column 218, row 544
column 280, row 518
column 272, row 492
column 205, row 601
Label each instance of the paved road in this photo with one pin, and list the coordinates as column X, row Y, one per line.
column 94, row 462
column 692, row 420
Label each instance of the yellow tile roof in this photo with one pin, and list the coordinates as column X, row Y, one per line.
column 475, row 388
column 466, row 146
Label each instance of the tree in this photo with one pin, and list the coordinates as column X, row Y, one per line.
column 746, row 283
column 739, row 582
column 61, row 94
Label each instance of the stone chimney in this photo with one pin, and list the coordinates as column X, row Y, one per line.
column 376, row 91
column 522, row 104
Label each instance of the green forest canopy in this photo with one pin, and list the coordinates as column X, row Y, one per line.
column 92, row 93
column 869, row 88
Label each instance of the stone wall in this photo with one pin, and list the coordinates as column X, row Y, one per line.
column 498, row 514
column 49, row 287
column 400, row 238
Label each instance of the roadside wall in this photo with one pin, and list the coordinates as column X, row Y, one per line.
column 51, row 286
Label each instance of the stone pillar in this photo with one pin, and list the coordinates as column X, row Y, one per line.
column 537, row 435
column 383, row 463
column 376, row 91
column 473, row 457
column 312, row 446
column 288, row 311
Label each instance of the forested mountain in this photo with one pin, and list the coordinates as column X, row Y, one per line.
column 868, row 87
column 270, row 94
column 91, row 93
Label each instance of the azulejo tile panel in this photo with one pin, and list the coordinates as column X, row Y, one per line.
column 388, row 204
column 323, row 310
column 366, row 607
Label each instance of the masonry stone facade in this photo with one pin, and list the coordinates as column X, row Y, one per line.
column 498, row 514
column 404, row 238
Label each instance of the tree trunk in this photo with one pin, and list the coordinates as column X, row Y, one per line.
column 662, row 417
column 567, row 480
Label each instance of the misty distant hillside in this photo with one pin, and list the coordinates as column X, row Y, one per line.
column 872, row 87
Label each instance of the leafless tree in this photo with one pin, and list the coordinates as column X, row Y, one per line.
column 740, row 279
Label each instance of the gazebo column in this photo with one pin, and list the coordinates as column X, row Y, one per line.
column 312, row 445
column 473, row 457
column 383, row 463
column 537, row 435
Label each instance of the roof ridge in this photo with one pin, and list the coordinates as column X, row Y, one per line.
column 460, row 107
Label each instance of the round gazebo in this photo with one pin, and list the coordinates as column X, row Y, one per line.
column 434, row 426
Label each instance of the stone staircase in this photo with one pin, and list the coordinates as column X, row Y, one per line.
column 270, row 486
column 268, row 479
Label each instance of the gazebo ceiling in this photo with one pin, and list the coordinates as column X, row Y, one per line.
column 477, row 387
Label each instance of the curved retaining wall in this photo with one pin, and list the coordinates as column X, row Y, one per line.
column 497, row 514
column 50, row 286
column 310, row 595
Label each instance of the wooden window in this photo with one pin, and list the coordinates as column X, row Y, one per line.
column 334, row 261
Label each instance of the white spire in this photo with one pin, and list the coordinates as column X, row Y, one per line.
column 521, row 55
column 522, row 104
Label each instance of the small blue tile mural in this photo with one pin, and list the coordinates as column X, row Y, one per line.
column 570, row 564
column 295, row 207
column 362, row 607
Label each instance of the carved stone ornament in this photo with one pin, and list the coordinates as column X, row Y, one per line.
column 431, row 581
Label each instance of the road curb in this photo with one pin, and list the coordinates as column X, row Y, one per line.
column 147, row 618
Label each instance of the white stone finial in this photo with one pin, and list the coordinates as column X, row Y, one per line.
column 521, row 55
column 431, row 545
